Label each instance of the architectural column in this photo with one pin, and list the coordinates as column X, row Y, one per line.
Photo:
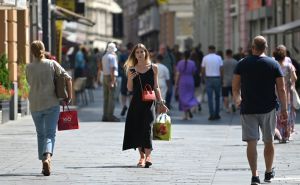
column 23, row 36
column 3, row 32
column 12, row 60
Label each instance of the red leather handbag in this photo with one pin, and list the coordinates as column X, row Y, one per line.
column 68, row 120
column 148, row 93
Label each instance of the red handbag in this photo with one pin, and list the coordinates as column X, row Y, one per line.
column 68, row 120
column 148, row 93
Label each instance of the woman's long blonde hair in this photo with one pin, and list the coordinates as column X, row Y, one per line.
column 38, row 49
column 132, row 61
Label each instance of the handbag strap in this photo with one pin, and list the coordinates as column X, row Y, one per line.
column 141, row 84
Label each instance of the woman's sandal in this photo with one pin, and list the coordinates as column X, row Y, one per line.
column 46, row 167
column 141, row 163
column 148, row 164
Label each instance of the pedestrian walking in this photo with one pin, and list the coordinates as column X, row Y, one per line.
column 254, row 81
column 212, row 71
column 44, row 104
column 163, row 76
column 80, row 63
column 125, row 95
column 110, row 73
column 140, row 115
column 289, row 73
column 185, row 85
column 170, row 63
column 228, row 68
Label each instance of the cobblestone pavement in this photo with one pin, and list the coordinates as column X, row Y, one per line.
column 200, row 152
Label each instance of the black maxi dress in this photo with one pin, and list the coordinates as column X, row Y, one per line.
column 140, row 115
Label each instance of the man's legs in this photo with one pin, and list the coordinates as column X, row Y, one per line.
column 111, row 102
column 269, row 155
column 252, row 156
column 217, row 89
column 209, row 91
column 169, row 96
column 105, row 98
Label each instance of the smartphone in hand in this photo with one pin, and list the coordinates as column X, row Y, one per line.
column 132, row 70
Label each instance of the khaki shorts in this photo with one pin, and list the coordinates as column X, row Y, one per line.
column 252, row 122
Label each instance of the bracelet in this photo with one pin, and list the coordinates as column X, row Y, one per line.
column 161, row 102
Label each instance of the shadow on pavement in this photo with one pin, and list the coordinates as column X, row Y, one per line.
column 86, row 167
column 21, row 175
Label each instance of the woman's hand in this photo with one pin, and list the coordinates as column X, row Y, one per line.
column 132, row 75
column 162, row 108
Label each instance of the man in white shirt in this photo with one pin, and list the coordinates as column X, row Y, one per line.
column 110, row 73
column 212, row 71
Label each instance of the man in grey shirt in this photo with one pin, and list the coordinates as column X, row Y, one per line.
column 228, row 68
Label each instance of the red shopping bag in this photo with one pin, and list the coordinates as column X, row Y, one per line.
column 68, row 120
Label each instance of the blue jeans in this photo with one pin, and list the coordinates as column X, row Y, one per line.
column 213, row 85
column 45, row 123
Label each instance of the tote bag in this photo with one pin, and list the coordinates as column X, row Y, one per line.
column 162, row 127
column 296, row 99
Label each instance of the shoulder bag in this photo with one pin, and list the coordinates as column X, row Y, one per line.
column 60, row 84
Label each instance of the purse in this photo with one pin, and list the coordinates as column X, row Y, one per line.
column 60, row 85
column 68, row 120
column 148, row 93
column 162, row 127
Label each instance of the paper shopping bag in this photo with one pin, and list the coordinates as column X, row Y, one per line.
column 162, row 127
column 68, row 120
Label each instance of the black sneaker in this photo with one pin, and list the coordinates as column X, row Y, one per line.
column 217, row 117
column 255, row 180
column 211, row 118
column 199, row 107
column 123, row 112
column 269, row 176
column 233, row 108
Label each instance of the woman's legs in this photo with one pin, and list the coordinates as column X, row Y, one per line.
column 148, row 162
column 141, row 162
column 45, row 122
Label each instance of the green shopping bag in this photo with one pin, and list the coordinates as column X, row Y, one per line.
column 162, row 127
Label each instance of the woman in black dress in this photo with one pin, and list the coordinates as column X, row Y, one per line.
column 140, row 115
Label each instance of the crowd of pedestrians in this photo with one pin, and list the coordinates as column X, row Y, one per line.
column 260, row 87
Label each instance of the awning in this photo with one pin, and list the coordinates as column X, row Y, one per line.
column 285, row 28
column 64, row 14
column 110, row 6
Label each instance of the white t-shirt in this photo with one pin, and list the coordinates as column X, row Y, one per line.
column 109, row 60
column 163, row 75
column 212, row 64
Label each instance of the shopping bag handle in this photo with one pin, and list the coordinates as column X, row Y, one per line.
column 66, row 106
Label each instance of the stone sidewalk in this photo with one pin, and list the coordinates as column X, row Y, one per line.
column 200, row 152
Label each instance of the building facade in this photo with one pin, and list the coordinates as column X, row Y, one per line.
column 176, row 24
column 209, row 23
column 235, row 27
column 14, row 43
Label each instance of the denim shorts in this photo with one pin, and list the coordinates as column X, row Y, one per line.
column 252, row 122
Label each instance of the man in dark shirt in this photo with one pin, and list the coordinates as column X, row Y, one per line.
column 256, row 77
